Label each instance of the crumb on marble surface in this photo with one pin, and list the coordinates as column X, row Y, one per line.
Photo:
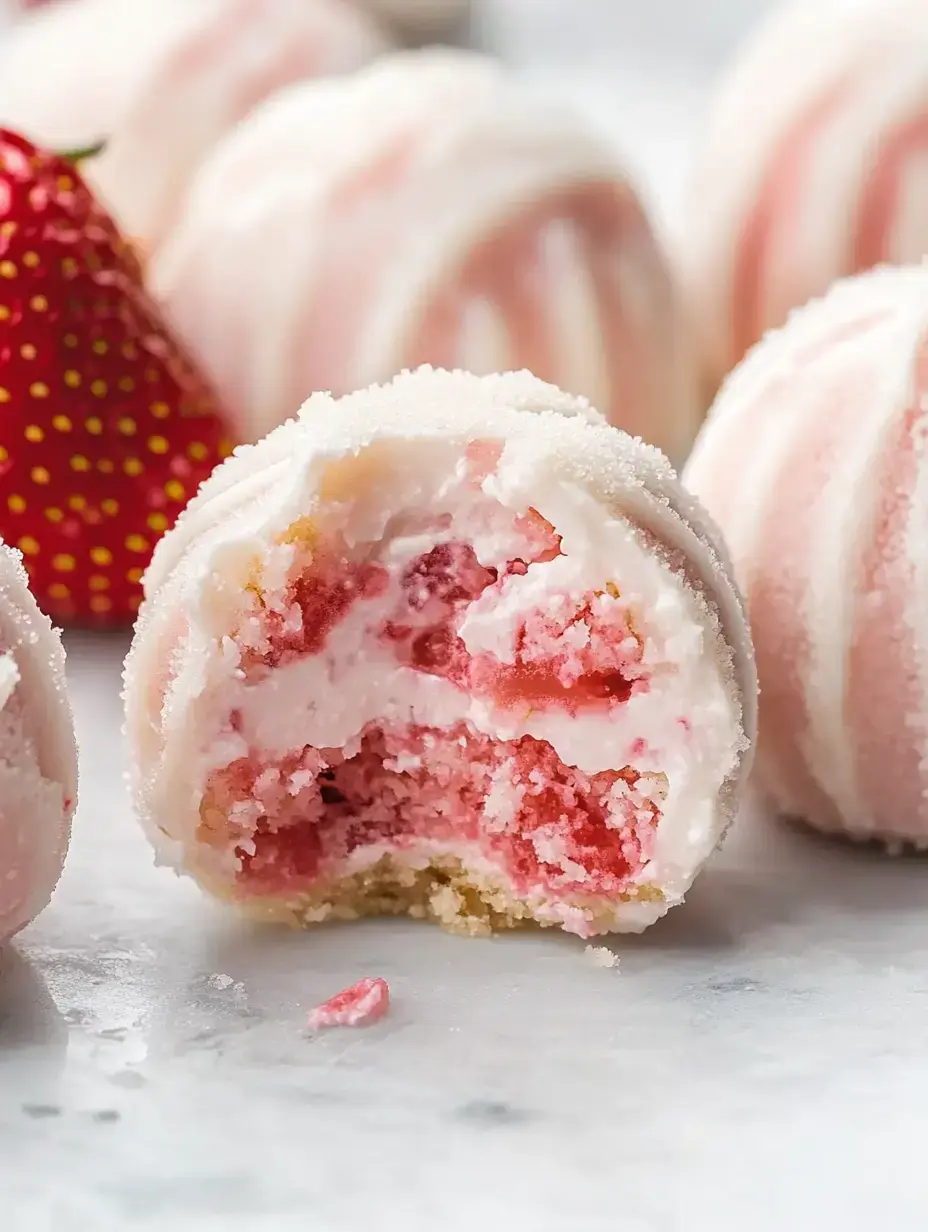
column 362, row 1003
column 600, row 956
column 219, row 981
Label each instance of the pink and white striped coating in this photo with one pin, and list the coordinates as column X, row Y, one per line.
column 814, row 462
column 814, row 167
column 425, row 210
column 161, row 80
column 38, row 753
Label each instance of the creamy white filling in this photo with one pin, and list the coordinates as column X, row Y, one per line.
column 684, row 725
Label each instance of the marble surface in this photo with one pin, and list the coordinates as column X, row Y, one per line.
column 756, row 1061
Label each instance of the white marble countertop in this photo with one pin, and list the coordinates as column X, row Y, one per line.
column 758, row 1061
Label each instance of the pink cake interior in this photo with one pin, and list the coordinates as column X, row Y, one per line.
column 414, row 791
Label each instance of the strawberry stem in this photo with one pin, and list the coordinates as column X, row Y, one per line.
column 81, row 155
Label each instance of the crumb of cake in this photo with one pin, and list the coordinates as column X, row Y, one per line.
column 600, row 956
column 357, row 1006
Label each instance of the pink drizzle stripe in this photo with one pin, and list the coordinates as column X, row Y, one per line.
column 358, row 252
column 507, row 268
column 884, row 684
column 777, row 597
column 777, row 201
column 882, row 189
column 722, row 481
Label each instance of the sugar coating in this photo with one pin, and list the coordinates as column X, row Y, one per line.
column 445, row 589
column 161, row 81
column 812, row 167
column 813, row 461
column 38, row 753
column 357, row 1006
column 428, row 209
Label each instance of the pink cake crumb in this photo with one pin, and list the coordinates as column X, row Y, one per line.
column 357, row 1006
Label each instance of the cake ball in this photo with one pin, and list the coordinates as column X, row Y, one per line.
column 813, row 167
column 452, row 647
column 160, row 81
column 814, row 462
column 38, row 753
column 424, row 210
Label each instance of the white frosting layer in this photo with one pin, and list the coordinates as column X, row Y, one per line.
column 368, row 470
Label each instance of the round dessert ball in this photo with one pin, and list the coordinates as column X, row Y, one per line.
column 814, row 463
column 424, row 210
column 450, row 647
column 813, row 167
column 161, row 80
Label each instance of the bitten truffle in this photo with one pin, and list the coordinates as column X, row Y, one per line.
column 453, row 647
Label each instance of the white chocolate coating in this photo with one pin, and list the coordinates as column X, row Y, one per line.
column 814, row 462
column 38, row 753
column 426, row 210
column 813, row 167
column 162, row 80
column 366, row 463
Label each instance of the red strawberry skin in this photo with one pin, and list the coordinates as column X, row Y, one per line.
column 106, row 427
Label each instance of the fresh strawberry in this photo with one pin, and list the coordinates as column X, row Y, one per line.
column 106, row 429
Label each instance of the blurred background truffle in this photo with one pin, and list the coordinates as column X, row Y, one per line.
column 161, row 80
column 814, row 166
column 429, row 209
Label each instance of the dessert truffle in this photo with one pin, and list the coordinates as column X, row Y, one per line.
column 425, row 210
column 160, row 81
column 812, row 168
column 814, row 463
column 38, row 753
column 453, row 647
